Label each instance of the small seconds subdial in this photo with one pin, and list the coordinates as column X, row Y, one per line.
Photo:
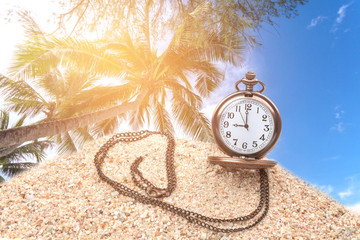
column 246, row 126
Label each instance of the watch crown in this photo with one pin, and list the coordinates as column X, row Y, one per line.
column 250, row 75
column 249, row 81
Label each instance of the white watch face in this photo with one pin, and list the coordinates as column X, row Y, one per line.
column 246, row 126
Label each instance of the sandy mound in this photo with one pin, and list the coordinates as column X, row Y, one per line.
column 65, row 199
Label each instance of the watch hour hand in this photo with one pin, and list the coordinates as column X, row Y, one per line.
column 238, row 125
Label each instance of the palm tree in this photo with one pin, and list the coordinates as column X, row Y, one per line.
column 14, row 159
column 176, row 80
column 51, row 99
column 51, row 93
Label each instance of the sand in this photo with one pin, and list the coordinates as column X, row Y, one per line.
column 63, row 198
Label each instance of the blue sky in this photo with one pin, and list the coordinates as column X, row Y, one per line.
column 312, row 71
column 310, row 65
column 311, row 68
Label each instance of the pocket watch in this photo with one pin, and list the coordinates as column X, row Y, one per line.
column 246, row 126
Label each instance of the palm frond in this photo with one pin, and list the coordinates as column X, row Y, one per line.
column 2, row 179
column 191, row 120
column 35, row 148
column 101, row 97
column 18, row 89
column 213, row 46
column 162, row 119
column 12, row 169
column 208, row 78
column 65, row 144
column 78, row 80
column 51, row 84
column 72, row 141
column 21, row 152
column 37, row 57
column 106, row 127
column 135, row 53
column 4, row 117
column 81, row 136
column 20, row 121
column 33, row 58
column 31, row 108
column 142, row 114
column 91, row 56
column 189, row 96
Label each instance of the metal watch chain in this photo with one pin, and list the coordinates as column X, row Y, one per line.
column 154, row 194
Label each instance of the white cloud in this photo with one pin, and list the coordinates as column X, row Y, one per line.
column 326, row 188
column 316, row 21
column 339, row 114
column 347, row 193
column 352, row 189
column 354, row 208
column 341, row 13
column 339, row 127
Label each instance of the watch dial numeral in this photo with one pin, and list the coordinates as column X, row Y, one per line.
column 257, row 110
column 230, row 115
column 262, row 137
column 264, row 118
column 238, row 108
column 266, row 129
column 244, row 145
column 248, row 106
column 228, row 134
column 226, row 124
column 235, row 141
column 254, row 144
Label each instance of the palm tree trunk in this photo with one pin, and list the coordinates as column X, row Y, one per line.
column 19, row 135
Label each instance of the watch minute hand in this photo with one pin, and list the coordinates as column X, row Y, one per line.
column 246, row 122
column 242, row 117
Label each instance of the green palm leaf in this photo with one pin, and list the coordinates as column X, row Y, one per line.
column 141, row 115
column 4, row 117
column 193, row 122
column 102, row 97
column 106, row 127
column 12, row 169
column 189, row 96
column 18, row 89
column 65, row 143
column 13, row 162
column 208, row 78
column 162, row 119
column 25, row 106
column 25, row 151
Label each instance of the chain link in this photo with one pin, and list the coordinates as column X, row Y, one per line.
column 154, row 194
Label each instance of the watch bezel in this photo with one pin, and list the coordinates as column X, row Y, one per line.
column 245, row 95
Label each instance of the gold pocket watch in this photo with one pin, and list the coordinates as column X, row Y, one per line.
column 246, row 126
